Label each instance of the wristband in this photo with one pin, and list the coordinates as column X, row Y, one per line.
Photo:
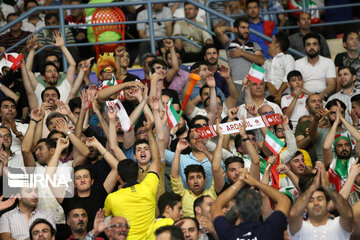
column 104, row 153
column 246, row 139
column 36, row 121
column 68, row 133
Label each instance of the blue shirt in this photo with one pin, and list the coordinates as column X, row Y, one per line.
column 253, row 38
column 188, row 159
column 221, row 83
column 196, row 92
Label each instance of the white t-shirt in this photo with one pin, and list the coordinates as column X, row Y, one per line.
column 16, row 143
column 276, row 69
column 64, row 90
column 202, row 112
column 299, row 109
column 332, row 230
column 315, row 76
column 242, row 111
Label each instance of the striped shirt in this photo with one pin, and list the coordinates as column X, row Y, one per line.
column 16, row 223
column 46, row 37
column 7, row 40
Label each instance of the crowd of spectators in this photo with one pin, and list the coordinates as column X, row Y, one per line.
column 127, row 149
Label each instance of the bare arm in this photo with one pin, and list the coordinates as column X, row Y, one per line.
column 30, row 92
column 328, row 142
column 105, row 93
column 175, row 64
column 9, row 93
column 113, row 141
column 155, row 155
column 220, row 34
column 155, row 105
column 217, row 170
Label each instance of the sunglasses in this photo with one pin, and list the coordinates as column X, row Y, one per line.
column 108, row 70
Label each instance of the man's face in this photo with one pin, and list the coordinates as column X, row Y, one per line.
column 279, row 131
column 346, row 79
column 189, row 230
column 317, row 206
column 233, row 171
column 205, row 207
column 118, row 229
column 54, row 60
column 29, row 197
column 257, row 90
column 161, row 70
column 125, row 60
column 304, row 21
column 165, row 100
column 266, row 110
column 297, row 165
column 190, row 11
column 312, row 47
column 129, row 93
column 51, row 75
column 141, row 133
column 76, row 12
column 243, row 31
column 352, row 42
column 146, row 67
column 157, row 7
column 204, row 70
column 356, row 107
column 196, row 182
column 77, row 220
column 332, row 114
column 296, row 82
column 52, row 22
column 6, row 136
column 343, row 149
column 142, row 154
column 253, row 141
column 77, row 111
column 272, row 47
column 42, row 231
column 83, row 180
column 107, row 72
column 8, row 110
column 314, row 103
column 253, row 10
column 42, row 153
column 205, row 94
column 50, row 96
column 16, row 27
column 176, row 212
column 51, row 125
column 211, row 56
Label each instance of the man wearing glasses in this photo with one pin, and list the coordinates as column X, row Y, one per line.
column 118, row 228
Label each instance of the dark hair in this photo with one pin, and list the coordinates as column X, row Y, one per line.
column 297, row 153
column 29, row 1
column 308, row 98
column 50, row 54
column 140, row 141
column 157, row 61
column 332, row 102
column 351, row 69
column 347, row 33
column 312, row 35
column 171, row 94
column 248, row 204
column 168, row 199
column 239, row 20
column 145, row 56
column 128, row 171
column 198, row 202
column 50, row 143
column 197, row 117
column 298, row 18
column 356, row 99
column 194, row 168
column 44, row 221
column 51, row 15
column 175, row 232
column 75, row 205
column 50, row 88
column 53, row 115
column 187, row 3
column 43, row 69
column 283, row 41
column 168, row 52
column 55, row 132
column 12, row 15
column 202, row 89
column 84, row 167
column 75, row 103
column 208, row 46
column 293, row 73
column 252, row 1
column 197, row 65
column 233, row 159
column 238, row 139
column 305, row 181
column 6, row 98
column 190, row 218
column 207, row 101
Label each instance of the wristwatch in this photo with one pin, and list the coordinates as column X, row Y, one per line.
column 246, row 139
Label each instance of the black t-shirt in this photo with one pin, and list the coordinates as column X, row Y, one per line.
column 91, row 204
column 273, row 228
column 100, row 170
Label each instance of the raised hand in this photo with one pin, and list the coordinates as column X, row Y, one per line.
column 169, row 43
column 59, row 40
column 272, row 160
column 148, row 124
column 285, row 119
column 61, row 125
column 210, row 80
column 282, row 169
column 182, row 145
column 218, row 130
column 224, row 72
column 86, row 66
column 99, row 222
column 8, row 203
column 297, row 92
column 232, row 113
column 112, row 112
column 92, row 142
column 155, row 103
column 32, row 43
column 85, row 101
column 37, row 114
column 119, row 51
column 64, row 109
column 242, row 128
column 251, row 109
column 62, row 143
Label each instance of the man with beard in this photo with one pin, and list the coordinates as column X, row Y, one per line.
column 315, row 201
column 15, row 223
column 77, row 219
column 339, row 141
column 41, row 229
column 241, row 52
column 318, row 72
column 347, row 77
column 118, row 228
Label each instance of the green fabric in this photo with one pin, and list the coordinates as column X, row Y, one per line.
column 262, row 165
column 61, row 79
column 341, row 137
column 341, row 168
column 104, row 37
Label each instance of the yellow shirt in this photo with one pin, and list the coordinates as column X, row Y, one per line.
column 188, row 197
column 160, row 222
column 137, row 204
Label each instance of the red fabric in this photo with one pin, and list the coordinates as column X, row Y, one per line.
column 70, row 19
column 268, row 29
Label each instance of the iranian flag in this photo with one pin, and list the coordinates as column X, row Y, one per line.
column 273, row 143
column 256, row 74
column 121, row 113
column 172, row 115
column 108, row 83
